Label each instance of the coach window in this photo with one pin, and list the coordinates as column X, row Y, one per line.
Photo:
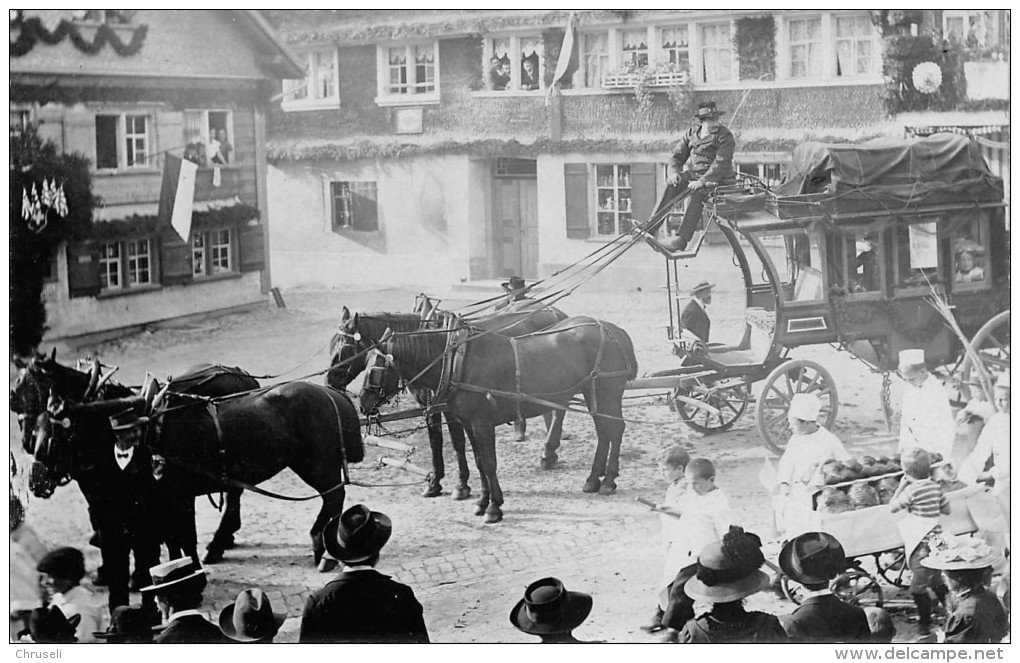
column 968, row 239
column 855, row 263
column 916, row 261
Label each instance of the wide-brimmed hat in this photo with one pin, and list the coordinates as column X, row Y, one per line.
column 49, row 625
column 805, row 407
column 704, row 285
column 129, row 621
column 173, row 574
column 729, row 569
column 707, row 109
column 127, row 419
column 963, row 553
column 66, row 563
column 548, row 608
column 911, row 361
column 812, row 558
column 250, row 618
column 515, row 283
column 357, row 534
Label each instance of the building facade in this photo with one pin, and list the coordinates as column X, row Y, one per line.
column 426, row 147
column 125, row 88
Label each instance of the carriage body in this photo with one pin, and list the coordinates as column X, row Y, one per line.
column 847, row 252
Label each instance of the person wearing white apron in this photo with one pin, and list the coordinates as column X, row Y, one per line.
column 927, row 418
column 798, row 473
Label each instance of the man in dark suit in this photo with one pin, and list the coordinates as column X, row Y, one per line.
column 694, row 318
column 361, row 605
column 813, row 559
column 177, row 586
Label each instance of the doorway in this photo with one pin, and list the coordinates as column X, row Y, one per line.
column 515, row 218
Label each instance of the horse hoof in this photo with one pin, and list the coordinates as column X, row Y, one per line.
column 480, row 510
column 548, row 463
column 607, row 488
column 212, row 556
column 462, row 493
column 493, row 516
column 591, row 485
column 327, row 565
column 432, row 491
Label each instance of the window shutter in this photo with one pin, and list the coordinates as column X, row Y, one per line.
column 174, row 258
column 252, row 250
column 83, row 269
column 366, row 206
column 80, row 134
column 575, row 181
column 642, row 190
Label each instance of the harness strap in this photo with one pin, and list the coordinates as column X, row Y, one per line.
column 517, row 371
column 221, row 449
column 344, row 474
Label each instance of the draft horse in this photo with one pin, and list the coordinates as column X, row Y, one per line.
column 359, row 332
column 495, row 375
column 244, row 439
column 41, row 376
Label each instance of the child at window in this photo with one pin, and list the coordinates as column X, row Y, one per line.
column 966, row 270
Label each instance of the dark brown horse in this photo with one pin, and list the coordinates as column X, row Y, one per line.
column 42, row 376
column 497, row 375
column 243, row 439
column 359, row 332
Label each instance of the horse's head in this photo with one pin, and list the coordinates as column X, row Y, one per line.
column 32, row 388
column 382, row 380
column 51, row 447
column 347, row 351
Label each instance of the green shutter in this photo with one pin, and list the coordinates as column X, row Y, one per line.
column 250, row 240
column 642, row 190
column 174, row 258
column 575, row 182
column 83, row 269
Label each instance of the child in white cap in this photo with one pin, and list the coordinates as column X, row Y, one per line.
column 927, row 418
column 809, row 447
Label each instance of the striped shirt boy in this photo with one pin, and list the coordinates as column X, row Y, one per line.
column 921, row 497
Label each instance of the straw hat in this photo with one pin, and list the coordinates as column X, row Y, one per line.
column 173, row 573
column 963, row 553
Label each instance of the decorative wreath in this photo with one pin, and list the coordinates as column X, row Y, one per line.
column 927, row 77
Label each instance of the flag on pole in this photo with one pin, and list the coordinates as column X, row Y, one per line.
column 177, row 195
column 568, row 61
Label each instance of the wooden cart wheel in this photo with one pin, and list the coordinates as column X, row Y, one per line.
column 731, row 401
column 858, row 588
column 787, row 379
column 893, row 567
column 992, row 345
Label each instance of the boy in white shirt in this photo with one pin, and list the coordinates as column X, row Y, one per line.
column 672, row 464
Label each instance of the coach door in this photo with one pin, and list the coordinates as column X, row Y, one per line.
column 515, row 217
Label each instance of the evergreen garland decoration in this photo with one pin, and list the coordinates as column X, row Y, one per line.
column 33, row 30
column 146, row 224
column 755, row 42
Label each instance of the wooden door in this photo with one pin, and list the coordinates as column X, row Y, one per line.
column 516, row 224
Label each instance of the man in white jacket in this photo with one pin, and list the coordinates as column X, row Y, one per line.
column 927, row 419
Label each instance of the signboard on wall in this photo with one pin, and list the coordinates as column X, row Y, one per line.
column 408, row 120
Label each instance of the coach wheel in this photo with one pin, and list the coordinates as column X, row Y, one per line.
column 730, row 400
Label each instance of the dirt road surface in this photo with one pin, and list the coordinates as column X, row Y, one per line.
column 467, row 574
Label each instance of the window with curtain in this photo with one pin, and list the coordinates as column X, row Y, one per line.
column 411, row 69
column 674, row 44
column 716, row 53
column 635, row 48
column 805, row 48
column 595, row 58
column 855, row 46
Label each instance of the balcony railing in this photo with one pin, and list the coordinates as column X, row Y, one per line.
column 656, row 79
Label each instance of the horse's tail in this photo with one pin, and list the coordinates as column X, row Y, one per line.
column 625, row 344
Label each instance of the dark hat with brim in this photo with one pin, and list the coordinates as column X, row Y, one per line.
column 727, row 591
column 708, row 109
column 515, row 283
column 173, row 574
column 250, row 618
column 548, row 608
column 127, row 419
column 357, row 535
column 812, row 558
column 128, row 621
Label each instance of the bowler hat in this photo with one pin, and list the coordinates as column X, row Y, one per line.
column 707, row 109
column 515, row 283
column 548, row 608
column 704, row 285
column 173, row 574
column 250, row 618
column 127, row 419
column 129, row 623
column 729, row 569
column 812, row 558
column 357, row 534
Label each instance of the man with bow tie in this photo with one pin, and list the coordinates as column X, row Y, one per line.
column 127, row 514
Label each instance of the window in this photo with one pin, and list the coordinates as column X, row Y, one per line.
column 208, row 133
column 716, row 53
column 114, row 16
column 855, row 263
column 612, row 199
column 354, row 206
column 321, row 85
column 635, row 48
column 855, row 46
column 674, row 46
column 212, row 252
column 805, row 48
column 969, row 243
column 20, row 121
column 515, row 63
column 916, row 255
column 123, row 141
column 771, row 173
column 594, row 58
column 975, row 28
column 410, row 69
column 798, row 261
column 126, row 264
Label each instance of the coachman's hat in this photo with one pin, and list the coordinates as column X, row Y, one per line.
column 708, row 109
column 812, row 558
column 251, row 618
column 173, row 574
column 127, row 419
column 358, row 534
column 548, row 608
column 515, row 283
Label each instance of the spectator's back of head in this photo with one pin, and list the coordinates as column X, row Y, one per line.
column 916, row 463
column 881, row 624
column 675, row 456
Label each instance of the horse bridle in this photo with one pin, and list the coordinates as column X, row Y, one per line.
column 376, row 385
